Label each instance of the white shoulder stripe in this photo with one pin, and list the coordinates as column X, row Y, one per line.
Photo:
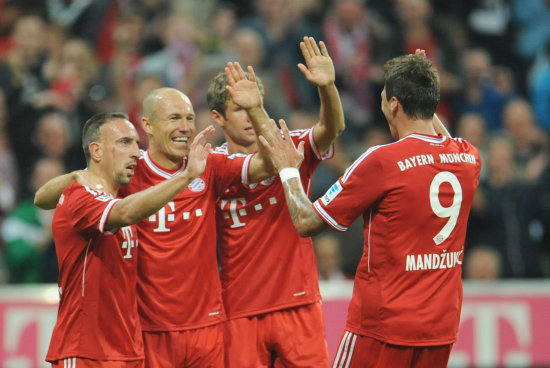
column 245, row 172
column 432, row 139
column 327, row 218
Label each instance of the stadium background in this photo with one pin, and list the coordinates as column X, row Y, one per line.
column 63, row 60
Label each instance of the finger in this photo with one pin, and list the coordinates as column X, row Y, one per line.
column 266, row 144
column 324, row 50
column 305, row 71
column 251, row 74
column 206, row 151
column 271, row 131
column 234, row 73
column 284, row 128
column 229, row 74
column 301, row 147
column 309, row 45
column 314, row 46
column 240, row 70
column 230, row 89
column 305, row 51
column 209, row 131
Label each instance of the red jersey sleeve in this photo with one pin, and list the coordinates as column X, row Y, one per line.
column 230, row 169
column 89, row 209
column 359, row 188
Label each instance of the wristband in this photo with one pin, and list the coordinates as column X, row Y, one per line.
column 289, row 173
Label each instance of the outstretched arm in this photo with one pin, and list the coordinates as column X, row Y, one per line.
column 141, row 205
column 319, row 70
column 245, row 93
column 47, row 196
column 287, row 158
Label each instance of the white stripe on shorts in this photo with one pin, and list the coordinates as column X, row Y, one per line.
column 69, row 362
column 345, row 350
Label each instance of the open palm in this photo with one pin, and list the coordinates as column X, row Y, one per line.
column 319, row 68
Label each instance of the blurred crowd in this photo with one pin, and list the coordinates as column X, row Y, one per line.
column 63, row 60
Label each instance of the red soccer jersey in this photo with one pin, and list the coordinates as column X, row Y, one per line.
column 178, row 279
column 98, row 317
column 415, row 196
column 266, row 265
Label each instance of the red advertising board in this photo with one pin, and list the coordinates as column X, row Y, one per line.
column 503, row 324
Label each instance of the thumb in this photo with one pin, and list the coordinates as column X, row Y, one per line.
column 301, row 147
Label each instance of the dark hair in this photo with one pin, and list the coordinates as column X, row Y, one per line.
column 90, row 132
column 414, row 81
column 217, row 95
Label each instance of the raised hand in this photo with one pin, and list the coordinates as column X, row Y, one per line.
column 319, row 68
column 282, row 151
column 198, row 152
column 243, row 90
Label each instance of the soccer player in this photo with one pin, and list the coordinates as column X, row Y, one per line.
column 179, row 291
column 415, row 196
column 269, row 275
column 96, row 243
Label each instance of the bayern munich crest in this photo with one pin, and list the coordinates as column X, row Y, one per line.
column 197, row 185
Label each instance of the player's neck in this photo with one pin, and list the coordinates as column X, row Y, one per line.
column 165, row 162
column 418, row 126
column 101, row 183
column 235, row 147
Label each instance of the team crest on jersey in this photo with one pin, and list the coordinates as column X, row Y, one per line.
column 334, row 190
column 197, row 185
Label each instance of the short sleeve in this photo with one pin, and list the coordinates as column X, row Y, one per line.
column 362, row 185
column 311, row 151
column 230, row 169
column 88, row 209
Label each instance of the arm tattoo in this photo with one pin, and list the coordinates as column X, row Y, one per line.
column 305, row 219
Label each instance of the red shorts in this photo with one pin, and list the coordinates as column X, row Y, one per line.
column 200, row 348
column 357, row 351
column 89, row 363
column 292, row 337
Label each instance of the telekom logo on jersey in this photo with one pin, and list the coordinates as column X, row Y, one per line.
column 167, row 214
column 129, row 242
column 237, row 208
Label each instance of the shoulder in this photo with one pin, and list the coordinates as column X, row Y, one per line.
column 371, row 157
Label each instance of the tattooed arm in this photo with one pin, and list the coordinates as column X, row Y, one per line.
column 286, row 159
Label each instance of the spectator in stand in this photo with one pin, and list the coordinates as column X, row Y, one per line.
column 29, row 251
column 420, row 29
column 519, row 123
column 503, row 211
column 482, row 263
column 179, row 60
column 473, row 128
column 281, row 27
column 329, row 257
column 479, row 93
column 361, row 42
column 21, row 81
column 8, row 168
column 539, row 87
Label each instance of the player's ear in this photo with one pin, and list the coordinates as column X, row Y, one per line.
column 218, row 118
column 394, row 105
column 146, row 124
column 96, row 151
